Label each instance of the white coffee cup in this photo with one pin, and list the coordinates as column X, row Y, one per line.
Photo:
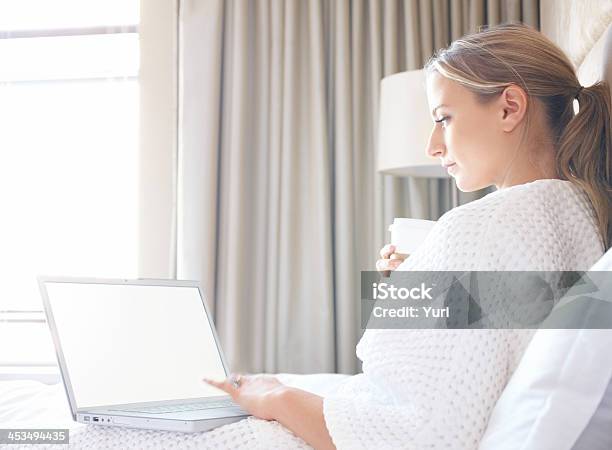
column 408, row 234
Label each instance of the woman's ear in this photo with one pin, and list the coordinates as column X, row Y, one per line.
column 513, row 107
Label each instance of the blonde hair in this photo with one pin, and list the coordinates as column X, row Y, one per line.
column 492, row 59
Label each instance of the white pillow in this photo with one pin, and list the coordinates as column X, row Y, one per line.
column 604, row 263
column 555, row 391
column 597, row 435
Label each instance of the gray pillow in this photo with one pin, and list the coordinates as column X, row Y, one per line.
column 597, row 435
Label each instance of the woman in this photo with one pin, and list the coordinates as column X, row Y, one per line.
column 502, row 105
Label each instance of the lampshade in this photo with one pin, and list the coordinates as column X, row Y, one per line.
column 404, row 127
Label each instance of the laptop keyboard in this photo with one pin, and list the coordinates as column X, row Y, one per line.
column 225, row 403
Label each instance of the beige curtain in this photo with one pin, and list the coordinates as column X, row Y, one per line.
column 280, row 206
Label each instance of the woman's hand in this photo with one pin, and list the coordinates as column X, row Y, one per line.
column 256, row 394
column 389, row 260
column 267, row 398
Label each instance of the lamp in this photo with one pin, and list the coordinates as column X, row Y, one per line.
column 404, row 128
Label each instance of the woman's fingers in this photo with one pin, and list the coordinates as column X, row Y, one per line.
column 387, row 250
column 227, row 385
column 388, row 264
column 224, row 385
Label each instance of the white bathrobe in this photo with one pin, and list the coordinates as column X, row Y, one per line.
column 429, row 389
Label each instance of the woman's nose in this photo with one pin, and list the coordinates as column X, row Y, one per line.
column 435, row 146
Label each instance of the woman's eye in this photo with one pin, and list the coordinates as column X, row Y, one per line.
column 443, row 120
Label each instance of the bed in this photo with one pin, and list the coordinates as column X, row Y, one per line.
column 32, row 404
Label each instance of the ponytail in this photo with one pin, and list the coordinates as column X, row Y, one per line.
column 585, row 152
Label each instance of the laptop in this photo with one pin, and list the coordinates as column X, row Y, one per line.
column 132, row 353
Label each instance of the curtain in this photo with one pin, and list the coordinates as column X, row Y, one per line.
column 280, row 205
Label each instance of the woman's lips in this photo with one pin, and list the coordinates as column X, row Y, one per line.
column 450, row 168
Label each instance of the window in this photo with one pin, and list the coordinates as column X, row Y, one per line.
column 69, row 109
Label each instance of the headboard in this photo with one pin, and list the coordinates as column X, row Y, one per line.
column 583, row 29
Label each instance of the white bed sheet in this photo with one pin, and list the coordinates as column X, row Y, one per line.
column 31, row 404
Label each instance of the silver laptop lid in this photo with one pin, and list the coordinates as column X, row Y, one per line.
column 131, row 341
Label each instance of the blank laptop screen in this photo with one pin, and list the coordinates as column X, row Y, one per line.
column 133, row 343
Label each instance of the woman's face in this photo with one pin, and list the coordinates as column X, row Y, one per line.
column 476, row 141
